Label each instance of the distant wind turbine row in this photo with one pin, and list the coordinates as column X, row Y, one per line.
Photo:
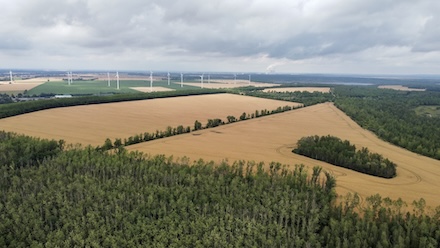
column 202, row 76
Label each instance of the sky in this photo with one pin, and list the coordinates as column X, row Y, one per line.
column 276, row 36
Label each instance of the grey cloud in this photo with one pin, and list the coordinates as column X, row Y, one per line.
column 278, row 29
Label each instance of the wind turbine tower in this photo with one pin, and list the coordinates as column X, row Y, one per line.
column 108, row 79
column 235, row 78
column 181, row 80
column 168, row 78
column 151, row 81
column 249, row 79
column 10, row 76
column 209, row 78
column 201, row 80
column 117, row 80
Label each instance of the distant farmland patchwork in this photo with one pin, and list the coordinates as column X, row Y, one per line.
column 266, row 139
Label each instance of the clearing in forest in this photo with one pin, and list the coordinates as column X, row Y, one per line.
column 302, row 89
column 92, row 124
column 399, row 87
column 272, row 138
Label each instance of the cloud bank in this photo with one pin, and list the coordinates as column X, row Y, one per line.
column 333, row 36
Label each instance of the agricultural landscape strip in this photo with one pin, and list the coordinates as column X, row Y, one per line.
column 272, row 138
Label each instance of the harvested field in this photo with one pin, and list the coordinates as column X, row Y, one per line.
column 22, row 85
column 92, row 124
column 399, row 87
column 272, row 138
column 227, row 84
column 153, row 89
column 302, row 89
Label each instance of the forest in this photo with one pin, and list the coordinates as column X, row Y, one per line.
column 333, row 150
column 391, row 115
column 79, row 196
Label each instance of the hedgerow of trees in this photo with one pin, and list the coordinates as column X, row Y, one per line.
column 90, row 198
column 171, row 131
column 12, row 109
column 333, row 150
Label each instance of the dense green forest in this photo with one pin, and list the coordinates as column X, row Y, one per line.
column 77, row 196
column 341, row 153
column 391, row 115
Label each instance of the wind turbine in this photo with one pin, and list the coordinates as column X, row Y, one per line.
column 10, row 76
column 151, row 81
column 209, row 78
column 117, row 80
column 69, row 78
column 181, row 80
column 201, row 80
column 168, row 78
column 249, row 79
column 108, row 79
column 235, row 78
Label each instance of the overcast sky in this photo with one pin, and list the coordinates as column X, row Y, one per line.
column 293, row 36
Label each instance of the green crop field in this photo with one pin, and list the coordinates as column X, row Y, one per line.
column 99, row 87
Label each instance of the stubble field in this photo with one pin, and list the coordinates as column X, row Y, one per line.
column 92, row 124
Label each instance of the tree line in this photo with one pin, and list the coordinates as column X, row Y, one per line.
column 12, row 109
column 89, row 198
column 118, row 143
column 304, row 97
column 333, row 150
column 390, row 115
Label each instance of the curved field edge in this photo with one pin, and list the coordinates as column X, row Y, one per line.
column 272, row 138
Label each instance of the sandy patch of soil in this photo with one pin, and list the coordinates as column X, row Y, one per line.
column 153, row 89
column 399, row 87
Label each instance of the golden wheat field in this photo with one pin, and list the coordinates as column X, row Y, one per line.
column 92, row 124
column 272, row 138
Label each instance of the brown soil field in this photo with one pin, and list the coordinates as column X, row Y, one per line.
column 272, row 138
column 148, row 89
column 302, row 89
column 399, row 87
column 92, row 124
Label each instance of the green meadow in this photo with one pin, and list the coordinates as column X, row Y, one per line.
column 100, row 87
